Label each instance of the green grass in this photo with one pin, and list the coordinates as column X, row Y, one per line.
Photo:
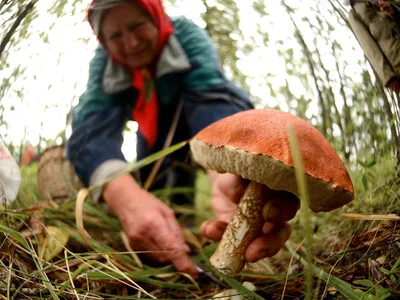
column 203, row 195
column 106, row 268
column 376, row 192
column 28, row 193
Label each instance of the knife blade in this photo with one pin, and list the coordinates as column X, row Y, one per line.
column 210, row 274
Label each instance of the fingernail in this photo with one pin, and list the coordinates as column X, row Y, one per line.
column 205, row 224
column 195, row 274
column 271, row 213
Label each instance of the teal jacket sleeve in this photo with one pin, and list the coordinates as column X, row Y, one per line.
column 94, row 147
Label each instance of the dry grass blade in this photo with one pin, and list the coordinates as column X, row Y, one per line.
column 288, row 273
column 9, row 279
column 69, row 274
column 82, row 194
column 192, row 280
column 367, row 217
column 167, row 143
column 41, row 271
column 127, row 245
column 118, row 271
column 191, row 239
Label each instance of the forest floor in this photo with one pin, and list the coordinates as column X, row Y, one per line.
column 355, row 250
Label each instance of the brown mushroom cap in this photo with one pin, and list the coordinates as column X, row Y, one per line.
column 254, row 144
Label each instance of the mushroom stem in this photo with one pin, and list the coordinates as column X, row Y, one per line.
column 244, row 227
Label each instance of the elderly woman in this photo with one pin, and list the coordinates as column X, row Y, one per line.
column 147, row 68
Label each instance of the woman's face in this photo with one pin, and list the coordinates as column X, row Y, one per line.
column 130, row 35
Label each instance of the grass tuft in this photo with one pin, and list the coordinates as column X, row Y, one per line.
column 351, row 258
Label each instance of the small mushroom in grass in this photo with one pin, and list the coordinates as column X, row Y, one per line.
column 254, row 144
column 233, row 294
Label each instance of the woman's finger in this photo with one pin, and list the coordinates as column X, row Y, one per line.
column 230, row 187
column 175, row 228
column 213, row 229
column 175, row 249
column 268, row 244
column 149, row 248
column 153, row 251
column 282, row 207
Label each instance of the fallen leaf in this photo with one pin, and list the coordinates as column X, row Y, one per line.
column 51, row 242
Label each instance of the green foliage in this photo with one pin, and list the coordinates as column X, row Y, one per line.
column 376, row 292
column 15, row 235
column 19, row 24
column 203, row 194
column 346, row 289
column 376, row 186
column 15, row 17
column 349, row 110
column 306, row 221
column 223, row 25
column 28, row 193
column 367, row 166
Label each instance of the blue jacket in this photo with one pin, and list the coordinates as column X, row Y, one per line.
column 188, row 70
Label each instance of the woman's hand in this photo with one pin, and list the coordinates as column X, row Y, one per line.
column 150, row 225
column 227, row 190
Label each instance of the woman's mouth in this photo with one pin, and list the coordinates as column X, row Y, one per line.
column 137, row 53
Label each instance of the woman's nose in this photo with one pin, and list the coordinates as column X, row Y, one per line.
column 130, row 41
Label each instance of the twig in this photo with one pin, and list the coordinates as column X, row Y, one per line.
column 167, row 143
column 14, row 27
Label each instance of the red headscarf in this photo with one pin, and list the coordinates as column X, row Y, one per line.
column 145, row 111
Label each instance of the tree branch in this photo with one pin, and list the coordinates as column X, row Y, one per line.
column 27, row 9
column 311, row 63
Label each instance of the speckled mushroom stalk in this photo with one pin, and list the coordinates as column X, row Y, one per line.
column 244, row 227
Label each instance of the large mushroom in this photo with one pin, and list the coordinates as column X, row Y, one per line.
column 254, row 144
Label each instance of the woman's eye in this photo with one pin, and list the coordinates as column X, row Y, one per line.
column 114, row 36
column 135, row 26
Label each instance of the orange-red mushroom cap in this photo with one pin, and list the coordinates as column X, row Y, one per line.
column 254, row 144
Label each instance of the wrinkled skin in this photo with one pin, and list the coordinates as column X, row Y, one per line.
column 151, row 225
column 130, row 35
